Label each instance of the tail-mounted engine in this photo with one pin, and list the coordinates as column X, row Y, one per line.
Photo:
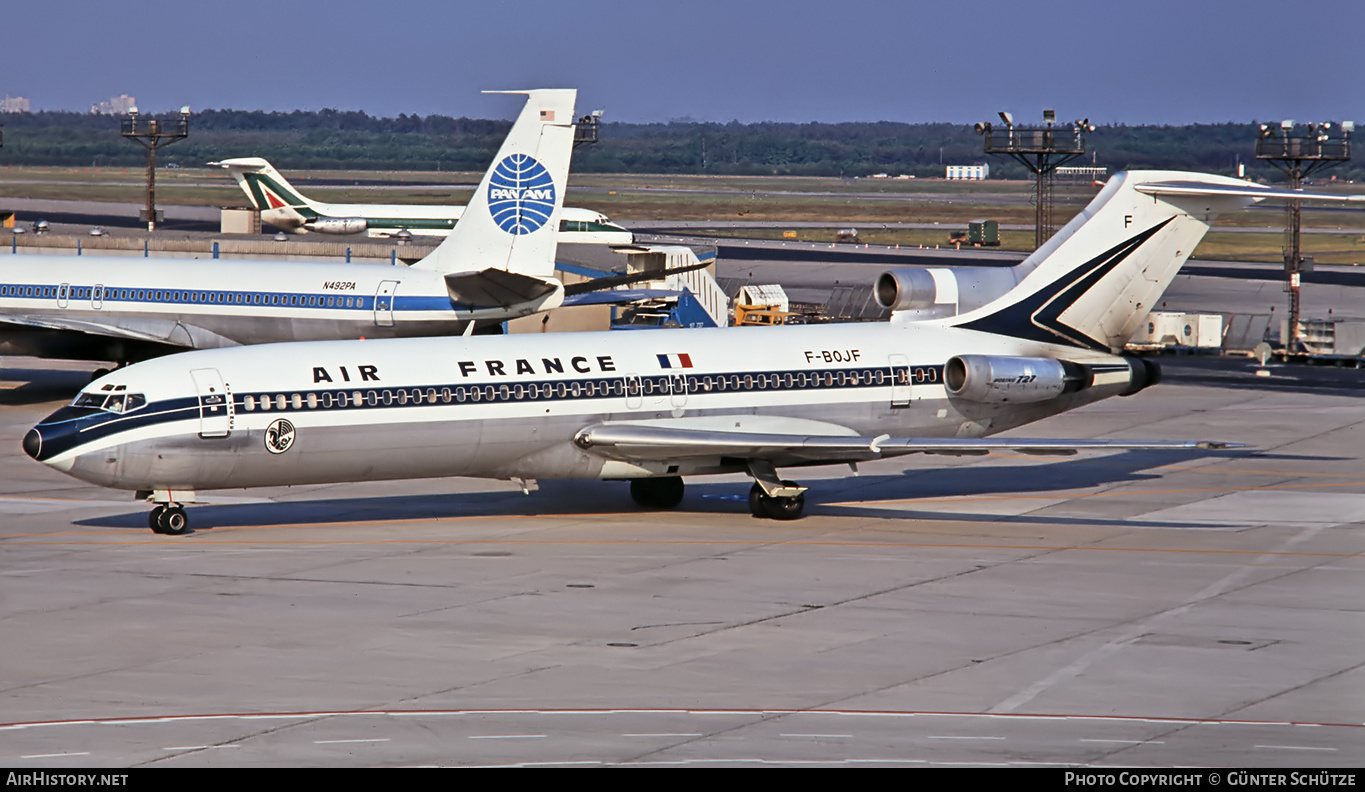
column 999, row 379
column 337, row 225
column 937, row 291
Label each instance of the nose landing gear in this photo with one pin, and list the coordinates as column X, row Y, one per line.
column 169, row 520
column 168, row 515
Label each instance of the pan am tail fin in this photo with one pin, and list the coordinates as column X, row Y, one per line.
column 512, row 220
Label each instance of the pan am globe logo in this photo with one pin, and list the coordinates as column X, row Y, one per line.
column 521, row 194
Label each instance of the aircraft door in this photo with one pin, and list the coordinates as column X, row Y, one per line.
column 63, row 293
column 634, row 392
column 677, row 390
column 900, row 381
column 383, row 303
column 97, row 296
column 214, row 405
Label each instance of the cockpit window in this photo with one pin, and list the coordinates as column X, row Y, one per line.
column 116, row 402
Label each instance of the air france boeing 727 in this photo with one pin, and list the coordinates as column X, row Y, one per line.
column 126, row 309
column 653, row 408
column 283, row 206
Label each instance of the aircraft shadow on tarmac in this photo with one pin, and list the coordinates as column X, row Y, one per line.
column 41, row 386
column 828, row 497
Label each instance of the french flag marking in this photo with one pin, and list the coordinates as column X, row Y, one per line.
column 683, row 360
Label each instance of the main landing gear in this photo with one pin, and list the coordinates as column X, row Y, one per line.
column 772, row 497
column 777, row 507
column 665, row 492
column 769, row 498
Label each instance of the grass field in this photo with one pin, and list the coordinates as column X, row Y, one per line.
column 862, row 203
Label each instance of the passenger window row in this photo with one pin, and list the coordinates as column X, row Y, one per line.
column 119, row 294
column 631, row 386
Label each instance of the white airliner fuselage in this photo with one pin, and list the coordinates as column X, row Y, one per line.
column 512, row 407
column 284, row 206
column 499, row 265
column 132, row 308
column 655, row 407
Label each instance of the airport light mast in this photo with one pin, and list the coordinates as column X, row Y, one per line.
column 1041, row 149
column 154, row 135
column 585, row 129
column 1299, row 155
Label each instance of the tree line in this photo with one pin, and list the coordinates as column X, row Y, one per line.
column 354, row 140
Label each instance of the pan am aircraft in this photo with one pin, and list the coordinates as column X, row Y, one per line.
column 125, row 309
column 283, row 206
column 654, row 408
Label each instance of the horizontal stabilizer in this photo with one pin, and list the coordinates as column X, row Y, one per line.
column 1248, row 191
column 659, row 441
column 497, row 288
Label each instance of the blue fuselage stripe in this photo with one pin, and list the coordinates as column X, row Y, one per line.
column 44, row 294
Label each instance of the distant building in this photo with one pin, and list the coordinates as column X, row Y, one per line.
column 14, row 104
column 1081, row 174
column 117, row 105
column 967, row 172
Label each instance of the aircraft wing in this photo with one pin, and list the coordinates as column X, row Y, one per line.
column 627, row 278
column 619, row 296
column 93, row 328
column 805, row 441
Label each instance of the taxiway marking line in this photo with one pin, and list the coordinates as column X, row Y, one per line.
column 410, row 713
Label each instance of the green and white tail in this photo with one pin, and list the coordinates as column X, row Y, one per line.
column 1084, row 290
column 270, row 193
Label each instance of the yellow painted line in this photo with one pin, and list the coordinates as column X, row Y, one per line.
column 340, row 523
column 759, row 542
column 1193, row 468
column 1107, row 493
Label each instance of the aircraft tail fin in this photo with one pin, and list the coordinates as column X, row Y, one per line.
column 270, row 193
column 1087, row 290
column 511, row 221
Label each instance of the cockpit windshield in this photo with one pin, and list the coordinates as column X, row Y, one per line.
column 112, row 399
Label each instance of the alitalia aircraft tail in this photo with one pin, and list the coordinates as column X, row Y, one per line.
column 511, row 220
column 270, row 193
column 1097, row 278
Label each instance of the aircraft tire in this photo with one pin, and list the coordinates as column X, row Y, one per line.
column 154, row 519
column 657, row 493
column 764, row 506
column 757, row 502
column 786, row 508
column 174, row 522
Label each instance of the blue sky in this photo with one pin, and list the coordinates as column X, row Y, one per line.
column 1145, row 62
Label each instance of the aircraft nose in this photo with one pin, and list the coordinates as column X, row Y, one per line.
column 33, row 443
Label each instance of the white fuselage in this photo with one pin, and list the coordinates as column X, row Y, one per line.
column 103, row 302
column 511, row 406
